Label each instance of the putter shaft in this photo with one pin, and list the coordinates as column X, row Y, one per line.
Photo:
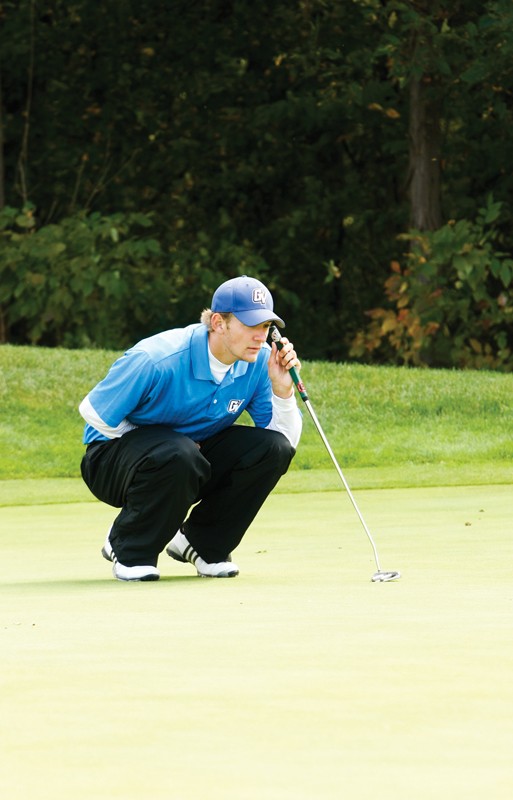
column 276, row 337
column 342, row 478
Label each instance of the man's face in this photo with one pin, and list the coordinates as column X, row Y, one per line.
column 238, row 342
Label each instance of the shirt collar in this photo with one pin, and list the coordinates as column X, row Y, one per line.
column 199, row 358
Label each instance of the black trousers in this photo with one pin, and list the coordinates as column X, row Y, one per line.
column 156, row 476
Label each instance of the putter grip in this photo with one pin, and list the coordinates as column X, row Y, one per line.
column 294, row 374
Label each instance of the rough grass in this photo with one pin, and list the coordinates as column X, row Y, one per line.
column 405, row 423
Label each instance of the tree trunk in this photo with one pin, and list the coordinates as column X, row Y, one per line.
column 2, row 174
column 424, row 170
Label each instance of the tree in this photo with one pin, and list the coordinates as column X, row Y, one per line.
column 451, row 301
column 296, row 141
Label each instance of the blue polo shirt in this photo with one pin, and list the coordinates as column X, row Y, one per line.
column 166, row 379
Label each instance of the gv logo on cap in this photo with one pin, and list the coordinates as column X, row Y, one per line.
column 259, row 296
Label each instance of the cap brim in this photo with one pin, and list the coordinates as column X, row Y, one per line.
column 258, row 316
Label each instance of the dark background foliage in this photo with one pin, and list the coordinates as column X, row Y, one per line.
column 151, row 150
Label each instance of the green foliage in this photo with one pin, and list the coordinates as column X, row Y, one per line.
column 269, row 138
column 54, row 279
column 451, row 302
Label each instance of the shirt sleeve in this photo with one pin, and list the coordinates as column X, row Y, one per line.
column 126, row 386
column 286, row 418
column 92, row 418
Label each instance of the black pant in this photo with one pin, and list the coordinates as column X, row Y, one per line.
column 155, row 475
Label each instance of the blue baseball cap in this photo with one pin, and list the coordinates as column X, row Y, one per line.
column 247, row 299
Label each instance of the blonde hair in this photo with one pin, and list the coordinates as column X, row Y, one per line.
column 206, row 317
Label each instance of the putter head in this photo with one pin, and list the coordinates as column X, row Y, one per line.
column 382, row 577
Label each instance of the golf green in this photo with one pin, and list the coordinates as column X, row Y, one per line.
column 299, row 679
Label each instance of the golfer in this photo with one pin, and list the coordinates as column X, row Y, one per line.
column 162, row 437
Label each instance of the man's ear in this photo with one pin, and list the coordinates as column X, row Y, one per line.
column 217, row 322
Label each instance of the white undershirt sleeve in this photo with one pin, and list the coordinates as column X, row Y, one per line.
column 92, row 418
column 286, row 419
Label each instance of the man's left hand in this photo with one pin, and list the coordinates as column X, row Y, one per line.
column 280, row 362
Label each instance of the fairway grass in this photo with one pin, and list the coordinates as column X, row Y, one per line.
column 43, row 491
column 298, row 680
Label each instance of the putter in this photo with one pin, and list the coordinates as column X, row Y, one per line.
column 381, row 576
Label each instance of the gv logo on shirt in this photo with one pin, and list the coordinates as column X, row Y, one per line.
column 234, row 405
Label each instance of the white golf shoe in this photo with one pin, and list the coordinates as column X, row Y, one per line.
column 107, row 551
column 180, row 549
column 123, row 573
column 138, row 573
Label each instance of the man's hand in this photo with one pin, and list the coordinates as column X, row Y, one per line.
column 280, row 362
